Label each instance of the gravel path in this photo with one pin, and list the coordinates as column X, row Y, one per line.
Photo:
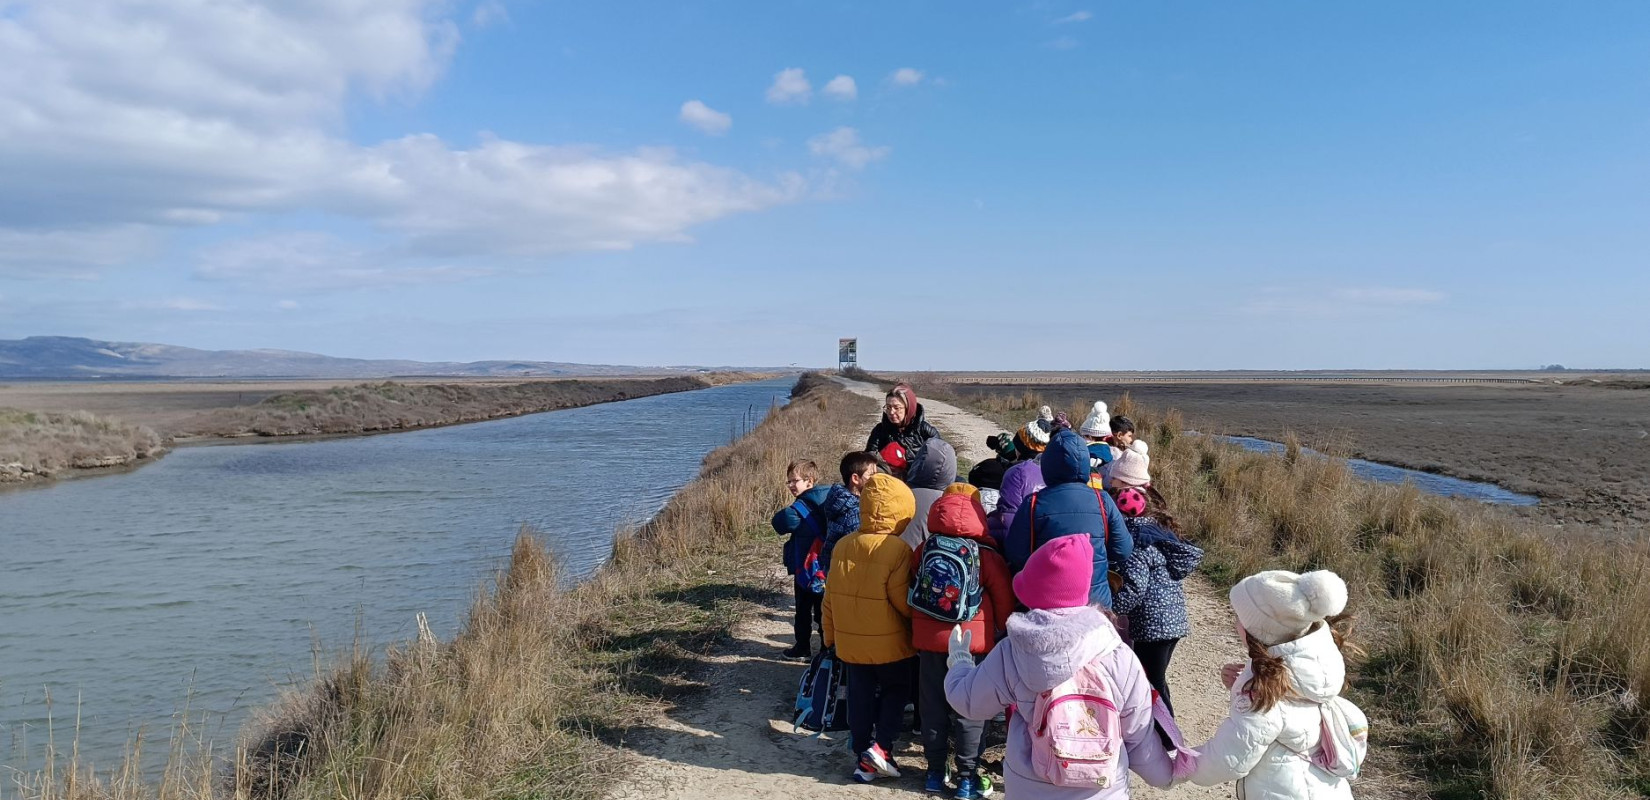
column 735, row 741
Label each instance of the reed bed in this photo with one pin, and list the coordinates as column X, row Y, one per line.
column 531, row 695
column 1502, row 662
column 390, row 406
column 36, row 445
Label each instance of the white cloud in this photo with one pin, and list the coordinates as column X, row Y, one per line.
column 70, row 251
column 842, row 87
column 1388, row 297
column 905, row 76
column 844, row 145
column 1062, row 43
column 171, row 304
column 1337, row 302
column 790, row 86
column 1075, row 16
column 122, row 121
column 308, row 261
column 287, row 305
column 705, row 118
column 489, row 13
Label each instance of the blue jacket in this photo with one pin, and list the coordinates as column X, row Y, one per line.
column 1066, row 506
column 1151, row 595
column 841, row 519
column 804, row 520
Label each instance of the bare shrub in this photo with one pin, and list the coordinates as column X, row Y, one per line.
column 389, row 406
column 44, row 444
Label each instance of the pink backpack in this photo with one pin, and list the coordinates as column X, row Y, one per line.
column 1078, row 732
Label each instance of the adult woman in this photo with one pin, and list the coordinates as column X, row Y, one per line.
column 901, row 422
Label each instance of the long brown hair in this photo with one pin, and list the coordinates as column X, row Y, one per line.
column 1269, row 677
column 1157, row 507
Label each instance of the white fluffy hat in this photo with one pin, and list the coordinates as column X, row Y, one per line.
column 1098, row 423
column 1131, row 467
column 1278, row 606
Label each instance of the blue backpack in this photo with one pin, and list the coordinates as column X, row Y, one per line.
column 947, row 584
column 822, row 697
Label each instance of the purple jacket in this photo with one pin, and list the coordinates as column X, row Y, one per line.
column 1020, row 482
column 1043, row 649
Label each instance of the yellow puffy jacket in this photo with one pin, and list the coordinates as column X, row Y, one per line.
column 865, row 614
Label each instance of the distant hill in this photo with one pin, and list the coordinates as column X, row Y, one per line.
column 73, row 357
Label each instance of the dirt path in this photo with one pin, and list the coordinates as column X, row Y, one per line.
column 735, row 741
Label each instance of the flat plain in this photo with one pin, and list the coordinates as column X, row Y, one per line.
column 1579, row 442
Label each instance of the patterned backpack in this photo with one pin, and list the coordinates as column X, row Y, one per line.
column 822, row 695
column 1077, row 732
column 947, row 583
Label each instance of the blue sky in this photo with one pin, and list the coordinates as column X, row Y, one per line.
column 1038, row 185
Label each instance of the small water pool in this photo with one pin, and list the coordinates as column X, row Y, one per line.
column 1442, row 485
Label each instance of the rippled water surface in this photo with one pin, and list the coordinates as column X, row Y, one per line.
column 208, row 575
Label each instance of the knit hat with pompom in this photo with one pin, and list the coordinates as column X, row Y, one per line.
column 1033, row 436
column 1097, row 425
column 1278, row 606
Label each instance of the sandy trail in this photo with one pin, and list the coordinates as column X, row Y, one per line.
column 735, row 740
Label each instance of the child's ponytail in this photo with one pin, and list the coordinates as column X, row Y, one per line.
column 1269, row 677
column 1269, row 681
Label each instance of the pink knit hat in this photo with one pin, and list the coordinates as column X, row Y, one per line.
column 1058, row 574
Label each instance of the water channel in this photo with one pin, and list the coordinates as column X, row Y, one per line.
column 1386, row 473
column 212, row 575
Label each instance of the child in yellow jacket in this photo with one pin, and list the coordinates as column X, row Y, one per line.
column 868, row 621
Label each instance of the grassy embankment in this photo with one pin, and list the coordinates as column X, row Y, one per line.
column 1501, row 662
column 392, row 406
column 44, row 445
column 40, row 445
column 527, row 699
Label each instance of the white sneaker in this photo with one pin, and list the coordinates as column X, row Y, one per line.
column 877, row 757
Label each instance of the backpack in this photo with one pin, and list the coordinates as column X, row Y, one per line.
column 811, row 575
column 947, row 584
column 1077, row 733
column 1114, row 578
column 1343, row 739
column 1105, row 526
column 822, row 696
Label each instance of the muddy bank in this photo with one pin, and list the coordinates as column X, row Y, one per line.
column 1584, row 450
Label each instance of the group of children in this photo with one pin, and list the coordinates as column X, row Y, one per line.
column 1048, row 587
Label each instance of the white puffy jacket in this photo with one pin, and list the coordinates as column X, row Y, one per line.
column 1263, row 751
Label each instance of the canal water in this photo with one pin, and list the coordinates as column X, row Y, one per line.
column 1425, row 481
column 211, row 576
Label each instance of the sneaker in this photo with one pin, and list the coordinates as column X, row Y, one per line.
column 968, row 788
column 935, row 783
column 985, row 785
column 863, row 775
column 878, row 759
column 798, row 651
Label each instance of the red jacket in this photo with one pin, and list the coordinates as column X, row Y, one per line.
column 962, row 516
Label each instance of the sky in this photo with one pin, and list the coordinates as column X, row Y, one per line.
column 960, row 185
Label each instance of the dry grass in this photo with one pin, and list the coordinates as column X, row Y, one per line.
column 1502, row 663
column 42, row 444
column 525, row 699
column 392, row 406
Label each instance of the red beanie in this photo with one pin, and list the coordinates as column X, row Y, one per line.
column 1058, row 574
